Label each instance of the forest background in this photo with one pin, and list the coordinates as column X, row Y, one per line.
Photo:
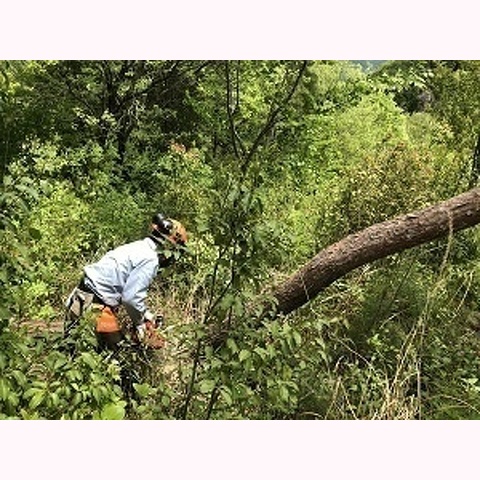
column 266, row 163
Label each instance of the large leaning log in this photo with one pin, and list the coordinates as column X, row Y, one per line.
column 376, row 242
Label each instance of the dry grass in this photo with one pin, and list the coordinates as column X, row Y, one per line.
column 180, row 310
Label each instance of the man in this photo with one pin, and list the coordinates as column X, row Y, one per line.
column 122, row 277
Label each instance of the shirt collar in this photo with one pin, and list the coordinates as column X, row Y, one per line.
column 151, row 243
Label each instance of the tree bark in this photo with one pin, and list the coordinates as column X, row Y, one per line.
column 376, row 242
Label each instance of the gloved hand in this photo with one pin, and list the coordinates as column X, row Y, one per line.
column 154, row 340
column 155, row 320
column 148, row 335
column 148, row 316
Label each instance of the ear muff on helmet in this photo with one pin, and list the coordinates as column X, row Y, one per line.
column 163, row 225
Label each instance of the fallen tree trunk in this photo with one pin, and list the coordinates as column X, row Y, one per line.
column 376, row 242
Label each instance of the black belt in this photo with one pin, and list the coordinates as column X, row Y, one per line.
column 85, row 288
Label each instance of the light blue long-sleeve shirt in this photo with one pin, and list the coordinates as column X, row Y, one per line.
column 123, row 275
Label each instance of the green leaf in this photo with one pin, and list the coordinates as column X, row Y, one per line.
column 4, row 389
column 113, row 411
column 36, row 400
column 143, row 389
column 3, row 361
column 284, row 395
column 227, row 301
column 30, row 392
column 206, row 386
column 232, row 345
column 13, row 399
column 271, row 350
column 261, row 352
column 208, row 351
column 244, row 354
column 96, row 394
column 55, row 399
column 59, row 362
column 19, row 377
column 35, row 233
column 226, row 394
column 238, row 309
column 89, row 360
column 297, row 338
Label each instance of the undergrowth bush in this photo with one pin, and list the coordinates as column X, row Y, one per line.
column 38, row 381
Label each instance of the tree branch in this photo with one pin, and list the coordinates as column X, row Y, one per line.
column 376, row 242
column 231, row 111
column 272, row 117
